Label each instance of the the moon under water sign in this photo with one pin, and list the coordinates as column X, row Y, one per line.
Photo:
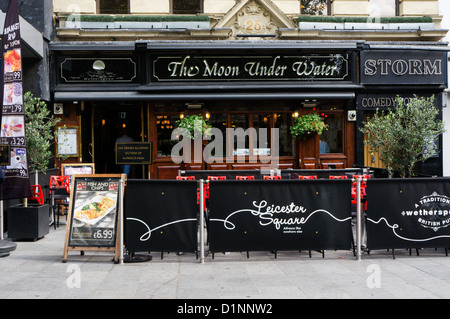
column 431, row 211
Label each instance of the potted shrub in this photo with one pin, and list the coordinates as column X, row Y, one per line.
column 196, row 126
column 30, row 221
column 308, row 125
column 405, row 135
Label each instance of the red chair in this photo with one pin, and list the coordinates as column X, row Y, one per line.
column 338, row 177
column 245, row 178
column 59, row 188
column 185, row 178
column 271, row 177
column 60, row 182
column 36, row 194
column 217, row 178
column 363, row 188
column 307, row 177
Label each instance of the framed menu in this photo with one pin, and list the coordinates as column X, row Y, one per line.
column 67, row 141
column 94, row 209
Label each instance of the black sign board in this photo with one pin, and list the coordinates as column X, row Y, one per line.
column 279, row 215
column 12, row 133
column 408, row 213
column 384, row 101
column 134, row 153
column 5, row 154
column 93, row 212
column 403, row 67
column 312, row 67
column 98, row 70
column 161, row 215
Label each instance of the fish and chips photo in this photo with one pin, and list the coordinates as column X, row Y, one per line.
column 95, row 210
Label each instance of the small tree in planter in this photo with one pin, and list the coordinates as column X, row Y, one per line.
column 307, row 125
column 39, row 132
column 405, row 135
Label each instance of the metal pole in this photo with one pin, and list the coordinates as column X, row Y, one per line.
column 358, row 218
column 121, row 221
column 202, row 222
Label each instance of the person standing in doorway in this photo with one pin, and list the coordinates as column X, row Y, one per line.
column 124, row 138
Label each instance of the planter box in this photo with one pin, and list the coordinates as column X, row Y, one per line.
column 30, row 222
column 137, row 25
column 411, row 26
column 365, row 26
column 320, row 26
column 95, row 25
column 186, row 25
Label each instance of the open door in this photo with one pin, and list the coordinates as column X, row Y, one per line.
column 108, row 122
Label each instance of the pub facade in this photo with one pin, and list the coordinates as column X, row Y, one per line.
column 253, row 67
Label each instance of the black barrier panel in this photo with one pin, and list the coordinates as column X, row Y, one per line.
column 279, row 215
column 408, row 213
column 161, row 216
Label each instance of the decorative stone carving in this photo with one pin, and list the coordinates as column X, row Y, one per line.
column 254, row 19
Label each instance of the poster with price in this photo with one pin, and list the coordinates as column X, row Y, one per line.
column 12, row 133
column 94, row 211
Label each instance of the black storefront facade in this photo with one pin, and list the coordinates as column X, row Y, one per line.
column 144, row 87
column 408, row 72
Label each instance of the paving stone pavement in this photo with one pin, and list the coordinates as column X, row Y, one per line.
column 35, row 271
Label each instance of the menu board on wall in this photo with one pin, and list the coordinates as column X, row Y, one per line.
column 16, row 184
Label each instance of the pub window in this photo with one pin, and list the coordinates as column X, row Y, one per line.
column 262, row 124
column 384, row 8
column 165, row 124
column 283, row 121
column 241, row 143
column 113, row 6
column 331, row 140
column 187, row 6
column 315, row 7
column 219, row 121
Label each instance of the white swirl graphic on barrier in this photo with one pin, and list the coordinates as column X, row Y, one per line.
column 146, row 236
column 267, row 218
column 395, row 226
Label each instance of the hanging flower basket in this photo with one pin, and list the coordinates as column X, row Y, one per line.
column 308, row 125
column 196, row 126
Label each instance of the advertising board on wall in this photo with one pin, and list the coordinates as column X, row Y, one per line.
column 403, row 67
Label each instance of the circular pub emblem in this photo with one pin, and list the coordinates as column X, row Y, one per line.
column 431, row 211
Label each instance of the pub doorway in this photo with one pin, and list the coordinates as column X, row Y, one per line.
column 106, row 122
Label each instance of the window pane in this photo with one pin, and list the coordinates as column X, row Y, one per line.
column 382, row 8
column 314, row 7
column 186, row 6
column 165, row 124
column 219, row 121
column 261, row 144
column 113, row 7
column 331, row 139
column 240, row 138
column 283, row 121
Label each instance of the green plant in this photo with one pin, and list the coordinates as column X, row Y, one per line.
column 39, row 132
column 308, row 124
column 405, row 135
column 134, row 17
column 196, row 126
